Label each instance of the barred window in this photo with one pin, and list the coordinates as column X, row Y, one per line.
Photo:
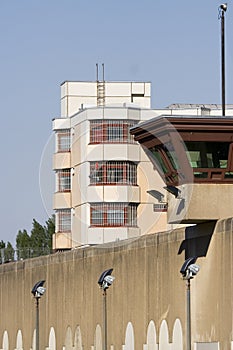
column 111, row 131
column 63, row 180
column 63, row 140
column 64, row 220
column 113, row 214
column 113, row 173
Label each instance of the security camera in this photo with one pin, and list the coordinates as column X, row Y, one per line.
column 108, row 280
column 223, row 7
column 103, row 275
column 39, row 292
column 192, row 271
column 189, row 269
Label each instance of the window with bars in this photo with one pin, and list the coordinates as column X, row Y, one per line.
column 113, row 214
column 63, row 220
column 113, row 173
column 64, row 180
column 63, row 140
column 111, row 131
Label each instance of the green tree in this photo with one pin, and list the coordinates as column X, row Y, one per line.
column 39, row 242
column 23, row 243
column 2, row 244
column 38, row 239
column 2, row 251
column 49, row 231
column 9, row 253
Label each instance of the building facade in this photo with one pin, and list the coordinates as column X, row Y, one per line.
column 104, row 179
column 102, row 174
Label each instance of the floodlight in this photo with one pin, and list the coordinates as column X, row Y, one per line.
column 103, row 275
column 106, row 279
column 186, row 264
column 38, row 289
column 107, row 282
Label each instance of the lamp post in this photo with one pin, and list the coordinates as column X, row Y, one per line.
column 105, row 282
column 37, row 291
column 188, row 270
column 222, row 9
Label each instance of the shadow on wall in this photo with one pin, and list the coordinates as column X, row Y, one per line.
column 197, row 239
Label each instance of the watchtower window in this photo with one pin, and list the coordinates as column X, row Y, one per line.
column 208, row 154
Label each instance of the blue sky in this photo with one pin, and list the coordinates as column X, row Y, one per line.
column 173, row 44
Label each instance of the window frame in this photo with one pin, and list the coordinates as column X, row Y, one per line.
column 172, row 174
column 206, row 173
column 63, row 216
column 63, row 174
column 63, row 140
column 109, row 214
column 101, row 131
column 100, row 173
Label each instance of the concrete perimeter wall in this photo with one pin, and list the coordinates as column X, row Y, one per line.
column 146, row 303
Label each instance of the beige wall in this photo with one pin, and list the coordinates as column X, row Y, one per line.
column 146, row 303
column 201, row 202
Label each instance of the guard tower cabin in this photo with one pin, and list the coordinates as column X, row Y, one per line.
column 194, row 156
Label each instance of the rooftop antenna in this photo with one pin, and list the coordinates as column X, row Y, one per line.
column 103, row 70
column 97, row 72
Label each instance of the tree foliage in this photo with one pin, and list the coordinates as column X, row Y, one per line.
column 2, row 244
column 23, row 245
column 9, row 253
column 49, row 231
column 2, row 247
column 38, row 242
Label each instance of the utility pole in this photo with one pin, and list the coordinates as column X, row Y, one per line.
column 222, row 10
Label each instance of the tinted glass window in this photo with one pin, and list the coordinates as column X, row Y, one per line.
column 207, row 154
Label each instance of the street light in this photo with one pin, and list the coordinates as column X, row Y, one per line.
column 188, row 270
column 222, row 9
column 37, row 291
column 105, row 281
